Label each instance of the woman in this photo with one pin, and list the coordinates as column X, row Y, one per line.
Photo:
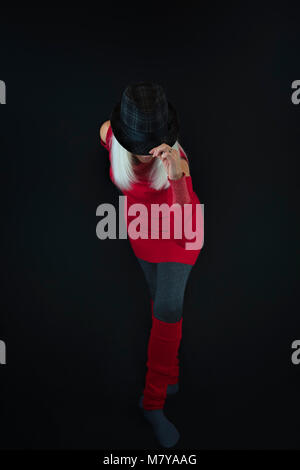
column 149, row 166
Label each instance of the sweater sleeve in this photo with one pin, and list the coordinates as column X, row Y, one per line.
column 181, row 192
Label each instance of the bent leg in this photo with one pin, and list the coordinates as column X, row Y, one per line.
column 166, row 332
column 169, row 295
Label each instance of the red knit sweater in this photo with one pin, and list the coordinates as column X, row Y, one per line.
column 158, row 249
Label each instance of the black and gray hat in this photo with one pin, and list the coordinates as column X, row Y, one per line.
column 144, row 118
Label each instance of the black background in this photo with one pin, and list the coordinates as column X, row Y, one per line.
column 75, row 311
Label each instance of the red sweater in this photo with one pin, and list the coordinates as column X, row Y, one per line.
column 158, row 249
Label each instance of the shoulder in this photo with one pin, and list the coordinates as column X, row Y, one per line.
column 103, row 130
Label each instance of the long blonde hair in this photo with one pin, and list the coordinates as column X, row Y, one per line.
column 124, row 176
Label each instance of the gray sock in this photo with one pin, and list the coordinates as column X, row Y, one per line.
column 172, row 389
column 164, row 430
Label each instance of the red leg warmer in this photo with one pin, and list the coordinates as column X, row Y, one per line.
column 173, row 376
column 162, row 351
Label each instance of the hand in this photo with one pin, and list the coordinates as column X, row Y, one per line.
column 171, row 160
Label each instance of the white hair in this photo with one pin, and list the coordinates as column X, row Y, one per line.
column 124, row 176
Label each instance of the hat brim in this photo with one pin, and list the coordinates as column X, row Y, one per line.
column 143, row 148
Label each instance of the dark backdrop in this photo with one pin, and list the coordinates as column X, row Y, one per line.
column 75, row 310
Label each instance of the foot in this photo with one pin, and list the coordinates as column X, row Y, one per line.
column 172, row 389
column 164, row 430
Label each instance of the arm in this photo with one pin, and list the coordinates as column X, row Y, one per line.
column 181, row 192
column 179, row 188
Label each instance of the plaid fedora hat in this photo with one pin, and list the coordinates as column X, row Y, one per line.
column 144, row 118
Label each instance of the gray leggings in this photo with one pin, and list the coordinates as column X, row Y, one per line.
column 166, row 282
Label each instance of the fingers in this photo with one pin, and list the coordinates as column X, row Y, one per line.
column 158, row 150
column 165, row 155
column 162, row 156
